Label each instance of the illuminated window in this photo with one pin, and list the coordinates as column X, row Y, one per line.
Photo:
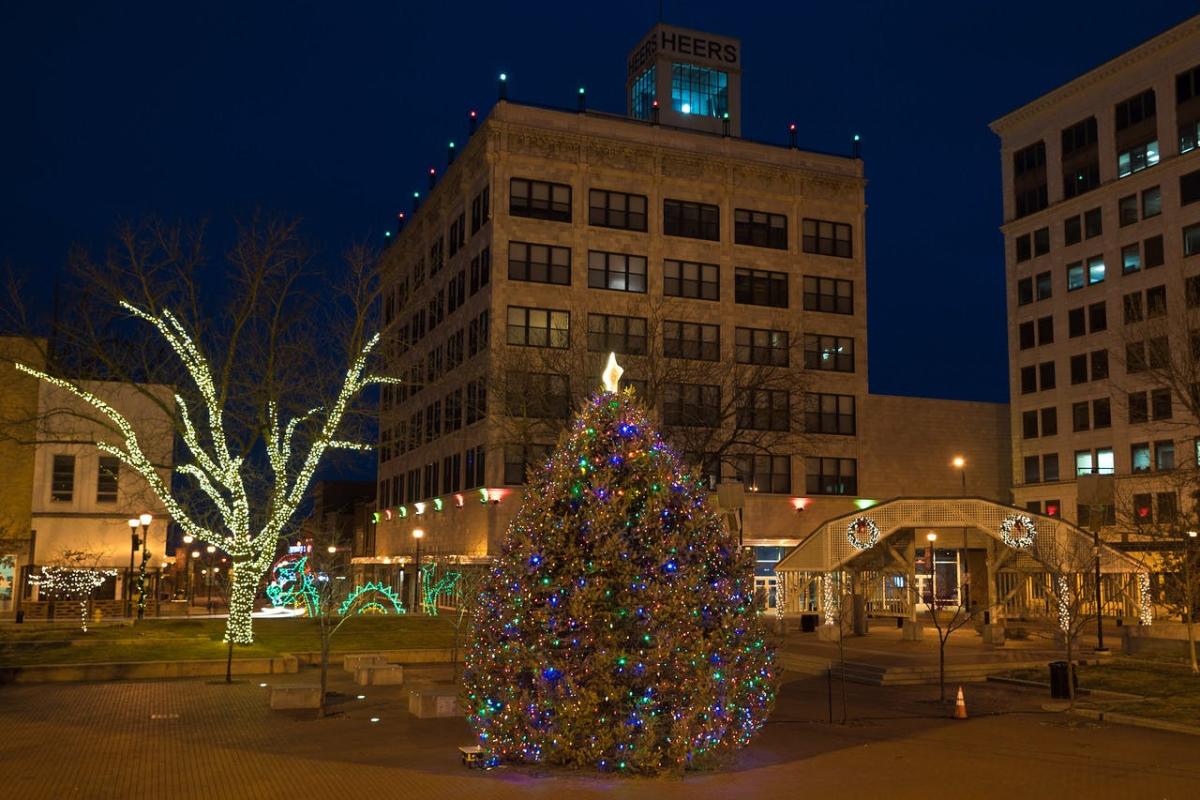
column 1137, row 159
column 642, row 94
column 699, row 90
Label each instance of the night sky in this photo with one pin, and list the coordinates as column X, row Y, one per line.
column 333, row 112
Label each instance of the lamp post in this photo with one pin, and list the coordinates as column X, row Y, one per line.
column 418, row 534
column 960, row 464
column 931, row 537
column 143, row 522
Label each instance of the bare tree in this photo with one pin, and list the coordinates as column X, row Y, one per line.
column 952, row 617
column 268, row 362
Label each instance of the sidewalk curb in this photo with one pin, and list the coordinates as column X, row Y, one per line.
column 1139, row 722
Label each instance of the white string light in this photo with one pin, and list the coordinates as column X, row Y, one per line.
column 1064, row 603
column 1145, row 606
column 73, row 582
column 218, row 473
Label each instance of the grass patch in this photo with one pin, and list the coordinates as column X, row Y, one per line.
column 187, row 639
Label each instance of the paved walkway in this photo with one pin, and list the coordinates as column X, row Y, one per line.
column 183, row 739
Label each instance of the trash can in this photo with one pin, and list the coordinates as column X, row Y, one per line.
column 808, row 623
column 1060, row 673
column 20, row 615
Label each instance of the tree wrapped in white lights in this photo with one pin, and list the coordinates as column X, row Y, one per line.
column 77, row 582
column 248, row 462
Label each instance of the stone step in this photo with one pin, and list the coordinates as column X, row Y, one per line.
column 296, row 696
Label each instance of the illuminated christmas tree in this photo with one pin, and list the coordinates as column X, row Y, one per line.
column 617, row 629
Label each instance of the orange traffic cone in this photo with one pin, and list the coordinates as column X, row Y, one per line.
column 960, row 706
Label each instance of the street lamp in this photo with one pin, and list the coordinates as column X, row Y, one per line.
column 418, row 534
column 931, row 537
column 135, row 523
column 960, row 464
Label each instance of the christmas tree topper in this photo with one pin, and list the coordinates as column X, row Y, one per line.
column 612, row 373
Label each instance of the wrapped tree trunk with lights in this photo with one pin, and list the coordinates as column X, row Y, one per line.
column 265, row 389
column 617, row 629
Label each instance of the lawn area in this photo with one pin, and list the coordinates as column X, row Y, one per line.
column 1170, row 690
column 184, row 639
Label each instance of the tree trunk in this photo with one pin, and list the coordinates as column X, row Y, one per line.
column 239, row 626
column 942, row 665
column 229, row 662
column 1191, row 636
column 324, row 666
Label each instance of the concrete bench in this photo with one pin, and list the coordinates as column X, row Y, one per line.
column 379, row 675
column 430, row 703
column 295, row 696
column 356, row 661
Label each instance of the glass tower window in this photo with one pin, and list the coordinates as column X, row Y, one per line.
column 642, row 94
column 699, row 90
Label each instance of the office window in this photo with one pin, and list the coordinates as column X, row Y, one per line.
column 827, row 238
column 1139, row 408
column 481, row 269
column 1075, row 276
column 1049, row 421
column 476, row 401
column 617, row 210
column 831, row 476
column 1139, row 457
column 1160, row 404
column 1029, row 425
column 1151, row 202
column 452, row 473
column 1095, row 270
column 1133, row 307
column 1135, row 357
column 1024, row 291
column 759, row 287
column 833, row 353
column 1097, row 317
column 692, row 404
column 761, row 346
column 692, row 340
column 1131, row 258
column 1191, row 291
column 1073, row 230
column 477, row 334
column 829, row 413
column 62, row 479
column 539, row 199
column 1189, row 188
column 1164, row 455
column 1093, row 223
column 1081, row 178
column 1136, row 109
column 1156, row 301
column 765, row 473
column 1159, row 351
column 1080, row 417
column 1043, row 286
column 476, row 463
column 458, row 233
column 691, row 279
column 1191, row 240
column 764, row 409
column 642, row 94
column 1050, row 468
column 1166, row 504
column 1152, row 250
column 1137, row 158
column 1127, row 210
column 539, row 263
column 519, row 458
column 693, row 220
column 453, row 404
column 1099, row 364
column 1033, row 472
column 760, row 229
column 1041, row 241
column 1046, row 374
column 481, row 210
column 1045, row 330
column 539, row 327
column 106, row 479
column 830, row 295
column 618, row 272
column 699, row 90
column 1025, row 335
column 1024, row 248
column 1028, row 380
column 537, row 395
column 1079, row 369
column 611, row 333
column 1189, row 136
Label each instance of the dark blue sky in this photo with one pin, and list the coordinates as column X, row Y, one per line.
column 334, row 111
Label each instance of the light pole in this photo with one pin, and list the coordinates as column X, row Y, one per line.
column 931, row 537
column 418, row 534
column 960, row 464
column 142, row 522
column 133, row 546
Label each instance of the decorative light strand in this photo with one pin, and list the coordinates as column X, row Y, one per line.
column 73, row 583
column 1018, row 531
column 857, row 528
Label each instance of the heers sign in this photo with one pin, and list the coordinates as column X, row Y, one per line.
column 683, row 44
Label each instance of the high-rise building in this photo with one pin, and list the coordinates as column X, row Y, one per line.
column 1102, row 234
column 727, row 274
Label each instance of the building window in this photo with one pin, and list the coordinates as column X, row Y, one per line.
column 827, row 238
column 1191, row 240
column 693, row 220
column 481, row 269
column 1160, row 404
column 765, row 473
column 537, row 395
column 833, row 353
column 519, row 458
column 760, row 229
column 1164, row 455
column 539, row 327
column 1151, row 202
column 476, row 401
column 1045, row 330
column 616, row 271
column 1041, row 241
column 699, row 91
column 106, row 479
column 481, row 210
column 829, row 413
column 1073, row 230
column 1189, row 136
column 1024, row 291
column 1028, row 380
column 1079, row 369
column 1156, row 301
column 452, row 473
column 761, row 346
column 539, row 263
column 764, row 410
column 692, row 340
column 760, row 287
column 1081, row 417
column 1029, row 425
column 62, row 479
column 611, row 333
column 476, row 463
column 692, row 405
column 1189, row 188
column 831, row 476
column 1050, row 468
column 539, row 199
column 1133, row 307
column 1032, row 469
column 1025, row 335
column 617, row 210
column 1127, row 210
column 1137, row 158
column 829, row 295
column 691, row 279
column 1023, row 248
column 1049, row 421
column 1043, row 286
column 1046, row 373
column 642, row 93
column 1093, row 223
column 1131, row 258
column 1152, row 252
column 477, row 334
column 458, row 233
column 1139, row 457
